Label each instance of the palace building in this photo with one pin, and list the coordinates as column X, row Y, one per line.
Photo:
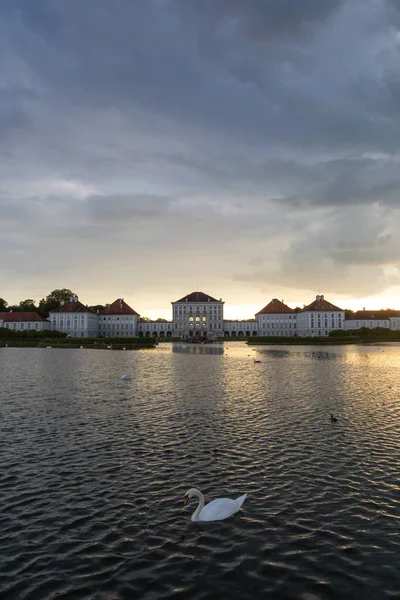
column 197, row 315
column 201, row 317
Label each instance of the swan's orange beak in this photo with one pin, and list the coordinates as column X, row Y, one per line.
column 186, row 500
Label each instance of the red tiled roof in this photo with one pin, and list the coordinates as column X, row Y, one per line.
column 21, row 317
column 118, row 307
column 371, row 315
column 72, row 307
column 197, row 297
column 320, row 304
column 275, row 306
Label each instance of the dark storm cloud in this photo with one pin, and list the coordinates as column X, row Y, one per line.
column 259, row 19
column 263, row 123
column 187, row 61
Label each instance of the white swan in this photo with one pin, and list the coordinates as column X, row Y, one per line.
column 216, row 510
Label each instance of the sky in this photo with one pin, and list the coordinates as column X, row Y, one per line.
column 250, row 150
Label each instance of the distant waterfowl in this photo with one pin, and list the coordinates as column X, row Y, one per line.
column 124, row 348
column 48, row 346
column 333, row 419
column 126, row 377
column 216, row 510
column 257, row 361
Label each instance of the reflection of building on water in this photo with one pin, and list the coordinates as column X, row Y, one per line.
column 199, row 317
column 197, row 349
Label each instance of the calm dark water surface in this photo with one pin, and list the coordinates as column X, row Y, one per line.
column 93, row 471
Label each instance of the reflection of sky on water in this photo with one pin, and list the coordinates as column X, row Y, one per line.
column 198, row 348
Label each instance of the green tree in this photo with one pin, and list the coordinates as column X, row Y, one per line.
column 348, row 313
column 3, row 305
column 54, row 300
column 96, row 307
column 27, row 305
column 6, row 333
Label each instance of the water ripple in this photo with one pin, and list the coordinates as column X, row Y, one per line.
column 94, row 470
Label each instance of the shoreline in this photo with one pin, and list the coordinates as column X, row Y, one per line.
column 80, row 346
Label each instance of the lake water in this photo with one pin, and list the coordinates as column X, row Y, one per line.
column 93, row 472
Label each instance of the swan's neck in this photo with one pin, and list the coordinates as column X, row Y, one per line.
column 196, row 514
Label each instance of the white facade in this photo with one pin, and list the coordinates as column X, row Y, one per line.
column 277, row 324
column 276, row 319
column 118, row 320
column 319, row 318
column 24, row 321
column 76, row 324
column 161, row 329
column 198, row 315
column 240, row 328
column 389, row 319
column 395, row 323
column 74, row 319
column 350, row 324
column 117, row 325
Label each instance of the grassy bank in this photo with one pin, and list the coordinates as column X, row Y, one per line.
column 33, row 339
column 355, row 336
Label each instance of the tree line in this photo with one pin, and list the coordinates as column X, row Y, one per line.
column 51, row 302
column 43, row 308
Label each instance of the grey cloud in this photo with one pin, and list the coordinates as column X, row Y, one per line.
column 345, row 251
column 150, row 57
column 125, row 208
column 260, row 20
column 267, row 128
column 338, row 182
